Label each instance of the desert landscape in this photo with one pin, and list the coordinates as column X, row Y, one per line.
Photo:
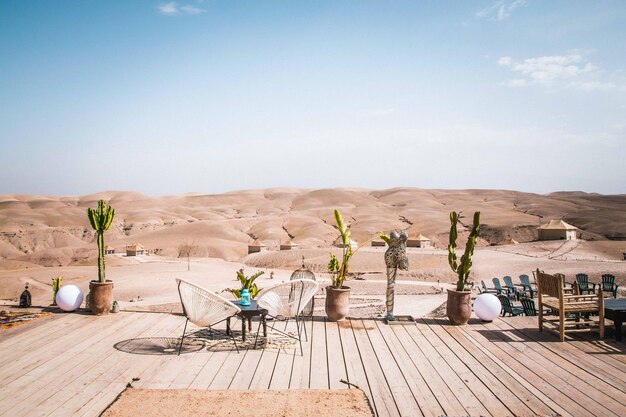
column 42, row 237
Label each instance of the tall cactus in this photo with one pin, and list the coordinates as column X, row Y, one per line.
column 101, row 220
column 463, row 268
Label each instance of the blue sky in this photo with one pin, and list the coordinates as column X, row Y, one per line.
column 212, row 96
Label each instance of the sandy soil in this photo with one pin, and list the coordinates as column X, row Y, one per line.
column 275, row 403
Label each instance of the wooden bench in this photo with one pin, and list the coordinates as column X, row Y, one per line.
column 552, row 296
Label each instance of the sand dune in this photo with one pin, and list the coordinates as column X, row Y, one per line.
column 54, row 231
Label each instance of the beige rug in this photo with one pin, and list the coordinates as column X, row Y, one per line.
column 266, row 403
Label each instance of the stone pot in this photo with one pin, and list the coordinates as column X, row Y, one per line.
column 101, row 297
column 459, row 307
column 337, row 303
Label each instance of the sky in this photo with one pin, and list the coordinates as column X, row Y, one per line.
column 208, row 96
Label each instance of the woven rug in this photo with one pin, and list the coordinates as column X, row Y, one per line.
column 10, row 319
column 266, row 403
column 214, row 340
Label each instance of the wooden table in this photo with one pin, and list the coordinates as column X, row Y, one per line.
column 615, row 309
column 246, row 314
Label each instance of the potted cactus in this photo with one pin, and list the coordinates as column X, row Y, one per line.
column 101, row 291
column 458, row 307
column 337, row 294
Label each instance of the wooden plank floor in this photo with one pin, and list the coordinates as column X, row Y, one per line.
column 67, row 365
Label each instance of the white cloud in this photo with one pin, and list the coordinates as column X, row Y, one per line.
column 500, row 10
column 570, row 71
column 175, row 9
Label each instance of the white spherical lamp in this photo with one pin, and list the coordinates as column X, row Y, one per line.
column 69, row 297
column 487, row 307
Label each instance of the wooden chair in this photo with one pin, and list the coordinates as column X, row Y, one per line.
column 608, row 284
column 552, row 296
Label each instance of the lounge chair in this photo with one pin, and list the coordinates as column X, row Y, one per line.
column 511, row 288
column 527, row 287
column 528, row 304
column 484, row 289
column 286, row 301
column 508, row 307
column 500, row 289
column 552, row 296
column 608, row 284
column 584, row 286
column 203, row 308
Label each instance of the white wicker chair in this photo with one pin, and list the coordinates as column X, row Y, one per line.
column 286, row 301
column 203, row 308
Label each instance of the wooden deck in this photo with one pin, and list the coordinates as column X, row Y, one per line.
column 67, row 365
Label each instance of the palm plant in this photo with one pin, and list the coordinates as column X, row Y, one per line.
column 463, row 267
column 246, row 283
column 339, row 269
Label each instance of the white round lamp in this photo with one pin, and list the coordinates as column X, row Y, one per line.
column 487, row 307
column 69, row 297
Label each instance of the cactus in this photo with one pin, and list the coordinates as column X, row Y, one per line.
column 56, row 286
column 463, row 267
column 101, row 220
column 339, row 270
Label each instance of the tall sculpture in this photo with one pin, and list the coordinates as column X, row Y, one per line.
column 395, row 257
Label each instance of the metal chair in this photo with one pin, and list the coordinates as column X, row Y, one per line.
column 608, row 284
column 286, row 301
column 203, row 308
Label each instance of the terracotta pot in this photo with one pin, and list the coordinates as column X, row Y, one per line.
column 337, row 303
column 459, row 307
column 101, row 297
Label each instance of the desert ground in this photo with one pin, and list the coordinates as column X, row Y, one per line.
column 42, row 237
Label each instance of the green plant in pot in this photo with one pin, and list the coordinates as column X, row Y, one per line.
column 247, row 283
column 101, row 291
column 337, row 294
column 458, row 307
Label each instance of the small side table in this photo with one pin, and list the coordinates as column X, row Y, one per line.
column 615, row 309
column 246, row 314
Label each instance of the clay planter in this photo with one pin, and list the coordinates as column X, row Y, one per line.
column 458, row 307
column 337, row 303
column 101, row 297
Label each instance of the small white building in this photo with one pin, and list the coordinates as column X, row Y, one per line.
column 256, row 247
column 109, row 250
column 557, row 230
column 288, row 245
column 136, row 249
column 420, row 241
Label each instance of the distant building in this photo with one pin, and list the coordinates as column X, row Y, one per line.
column 339, row 243
column 420, row 241
column 288, row 245
column 557, row 230
column 378, row 243
column 256, row 246
column 109, row 250
column 136, row 249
